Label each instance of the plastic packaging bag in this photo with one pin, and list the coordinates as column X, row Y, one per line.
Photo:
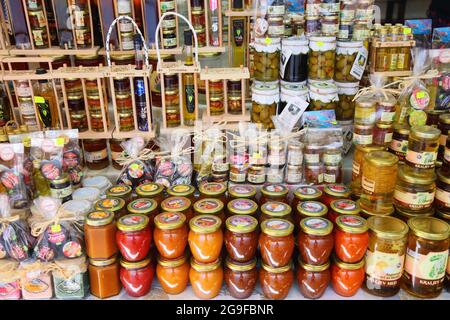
column 50, row 153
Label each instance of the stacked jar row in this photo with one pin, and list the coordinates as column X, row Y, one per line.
column 169, row 25
column 126, row 27
column 24, row 93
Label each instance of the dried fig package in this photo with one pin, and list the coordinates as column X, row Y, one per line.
column 50, row 152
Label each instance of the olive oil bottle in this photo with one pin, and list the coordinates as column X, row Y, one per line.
column 189, row 101
column 45, row 100
column 238, row 36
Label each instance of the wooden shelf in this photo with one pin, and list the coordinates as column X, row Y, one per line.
column 244, row 13
column 227, row 117
column 95, row 134
column 132, row 134
column 177, row 67
column 151, row 51
column 394, row 73
column 209, row 49
column 391, row 44
column 54, row 51
column 224, row 73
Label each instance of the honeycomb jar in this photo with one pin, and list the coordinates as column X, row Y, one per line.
column 323, row 96
column 365, row 110
column 265, row 98
column 267, row 59
column 321, row 58
column 345, row 110
column 346, row 52
column 423, row 147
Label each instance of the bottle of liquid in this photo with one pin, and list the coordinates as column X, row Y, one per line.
column 189, row 100
column 403, row 59
column 238, row 37
column 214, row 23
column 40, row 183
column 45, row 100
column 393, row 52
column 382, row 53
column 139, row 87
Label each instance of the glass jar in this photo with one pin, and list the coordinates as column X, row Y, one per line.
column 266, row 59
column 275, row 27
column 350, row 238
column 147, row 207
column 178, row 204
column 104, row 280
column 70, row 279
column 399, row 142
column 256, row 174
column 313, row 280
column 151, row 190
column 265, row 98
column 365, row 110
column 414, row 190
column 94, row 104
column 347, row 10
column 423, row 147
column 305, row 194
column 309, row 208
column 201, row 36
column 333, row 192
column 173, row 275
column 313, row 174
column 88, row 60
column 385, row 255
column 295, row 153
column 291, row 91
column 240, row 277
column 294, row 174
column 100, row 235
column 378, row 181
column 97, row 123
column 347, row 278
column 74, row 88
column 426, row 257
column 382, row 134
column 214, row 190
column 134, row 236
column 137, row 277
column 345, row 32
column 206, row 278
column 345, row 110
column 346, row 53
column 170, row 234
column 386, row 110
column 294, row 55
column 363, row 134
column 342, row 207
column 10, row 280
column 275, row 209
column 169, row 39
column 116, row 151
column 276, row 282
column 358, row 157
column 330, row 25
column 442, row 196
column 95, row 153
column 239, row 192
column 276, row 242
column 241, row 237
column 181, row 190
column 120, row 191
column 321, row 58
column 79, row 120
column 315, row 240
column 198, row 18
column 210, row 206
column 242, row 206
column 205, row 238
column 323, row 96
column 313, row 27
column 61, row 188
column 126, row 121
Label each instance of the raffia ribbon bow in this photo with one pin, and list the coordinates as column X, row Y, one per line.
column 67, row 269
column 8, row 271
column 407, row 81
column 374, row 90
column 39, row 223
column 144, row 155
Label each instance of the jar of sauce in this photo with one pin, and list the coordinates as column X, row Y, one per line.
column 145, row 206
column 95, row 153
column 173, row 275
column 342, row 206
column 182, row 190
column 274, row 192
column 213, row 190
column 237, row 191
column 240, row 277
column 313, row 280
column 275, row 209
column 315, row 240
column 307, row 209
column 242, row 206
column 178, row 204
column 134, row 237
column 100, row 235
column 347, row 278
column 350, row 238
column 276, row 242
column 426, row 257
column 115, row 205
column 276, row 282
column 210, row 206
column 241, row 237
column 170, row 234
column 206, row 278
column 137, row 277
column 104, row 277
column 333, row 192
column 305, row 194
column 205, row 238
column 121, row 191
column 151, row 190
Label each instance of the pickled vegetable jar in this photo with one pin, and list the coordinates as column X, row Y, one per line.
column 323, row 96
column 347, row 278
column 350, row 238
column 313, row 280
column 265, row 98
column 206, row 278
column 423, row 147
column 315, row 240
column 276, row 282
column 295, row 56
column 241, row 237
column 137, row 277
column 240, row 277
column 346, row 52
column 134, row 237
column 345, row 110
column 385, row 255
column 266, row 59
column 321, row 58
column 173, row 275
column 205, row 238
column 170, row 234
column 276, row 242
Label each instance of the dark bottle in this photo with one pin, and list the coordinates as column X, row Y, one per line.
column 139, row 87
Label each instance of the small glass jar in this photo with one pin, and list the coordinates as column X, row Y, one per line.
column 126, row 121
column 342, row 207
column 95, row 153
column 423, row 147
column 134, row 237
column 198, row 18
column 276, row 27
column 206, row 278
column 385, row 255
column 256, row 174
column 116, row 152
column 73, row 87
column 241, row 237
column 313, row 280
column 382, row 134
column 137, row 277
column 346, row 106
column 61, row 188
column 242, row 206
column 347, row 278
column 346, row 53
column 124, row 102
column 276, row 242
column 274, row 192
column 97, row 123
column 442, row 196
column 329, row 25
column 115, row 205
column 94, row 104
column 181, row 190
column 201, row 36
column 100, row 235
column 313, row 27
column 266, row 59
column 240, row 277
column 358, row 157
column 275, row 209
column 169, row 39
column 363, row 134
column 291, row 91
column 321, row 58
column 205, row 238
column 305, row 194
column 365, row 110
column 426, row 257
column 295, row 50
column 265, row 98
column 178, row 204
column 173, row 275
column 294, row 174
column 315, row 240
column 295, row 153
column 170, row 234
column 276, row 282
column 350, row 238
column 214, row 190
column 79, row 120
column 210, row 206
column 151, row 190
column 120, row 191
column 386, row 110
column 345, row 32
column 347, row 10
column 399, row 142
column 313, row 174
column 323, row 96
column 239, row 192
column 333, row 192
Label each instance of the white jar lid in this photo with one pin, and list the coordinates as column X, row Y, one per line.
column 78, row 207
column 87, row 193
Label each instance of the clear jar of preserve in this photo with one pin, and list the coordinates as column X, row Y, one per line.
column 198, row 18
column 274, row 192
column 426, row 257
column 295, row 50
column 97, row 122
column 414, row 191
column 313, row 153
column 115, row 205
column 332, row 174
column 267, row 59
column 332, row 155
column 205, row 238
column 95, row 153
column 104, row 281
column 210, row 206
column 116, row 152
column 265, row 98
column 399, row 142
column 100, row 235
column 181, row 190
column 378, row 181
column 88, row 60
column 315, row 240
column 382, row 134
column 137, row 277
column 234, row 96
column 239, row 192
column 385, row 255
column 94, row 104
column 294, row 174
column 358, row 157
column 240, row 277
column 276, row 282
column 290, row 91
column 214, row 190
column 329, row 25
column 365, row 110
column 423, row 147
column 363, row 134
column 73, row 88
column 309, row 208
column 241, row 237
column 178, row 204
column 40, row 37
column 345, row 58
column 173, row 274
column 173, row 117
column 321, row 58
column 385, row 110
column 206, row 278
column 276, row 27
column 347, row 278
column 333, row 192
column 345, row 32
column 275, row 209
column 79, row 120
column 170, row 234
column 126, row 121
column 151, row 190
column 242, row 206
column 323, row 96
column 351, row 238
column 347, row 10
column 276, row 242
column 442, row 196
column 256, row 174
column 124, row 102
column 169, row 39
column 346, row 106
column 314, row 173
column 295, row 153
column 444, row 126
column 313, row 280
column 313, row 27
column 342, row 207
column 305, row 194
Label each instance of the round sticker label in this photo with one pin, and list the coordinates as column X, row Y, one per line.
column 242, row 204
column 181, row 188
column 119, row 189
column 168, row 217
column 72, row 249
column 7, row 153
column 206, row 205
column 142, row 204
column 316, row 223
column 242, row 221
column 351, row 221
column 174, row 203
column 241, row 189
column 213, row 187
column 132, row 220
column 99, row 215
column 277, row 224
column 149, row 187
column 307, row 190
column 340, row 188
column 108, row 203
column 345, row 204
column 275, row 188
column 419, row 99
column 203, row 222
column 275, row 206
column 312, row 206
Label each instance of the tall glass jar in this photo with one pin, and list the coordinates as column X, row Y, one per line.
column 321, row 58
column 346, row 53
column 385, row 255
column 378, row 181
column 357, row 166
column 265, row 98
column 345, row 110
column 294, row 57
column 290, row 91
column 323, row 96
column 399, row 142
column 95, row 153
column 266, row 59
column 365, row 110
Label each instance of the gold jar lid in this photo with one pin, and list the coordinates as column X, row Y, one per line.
column 388, row 227
column 274, row 190
column 310, row 267
column 305, row 193
column 208, row 206
column 94, row 97
column 86, row 56
column 142, row 205
column 408, row 174
column 312, row 208
column 123, row 96
column 426, row 132
column 213, row 188
column 78, row 116
column 337, row 190
column 348, row 266
column 276, row 209
column 216, row 98
column 277, row 227
column 175, row 204
column 369, row 148
column 205, row 223
column 171, row 263
column 96, row 116
column 384, row 126
column 351, row 224
column 445, row 118
column 75, row 97
column 381, row 158
column 205, row 267
column 119, row 191
column 238, row 191
column 169, row 220
column 149, row 189
column 182, row 190
column 241, row 224
column 103, row 262
column 401, row 129
column 99, row 218
column 132, row 222
column 429, row 228
column 345, row 206
column 442, row 177
column 240, row 266
column 242, row 206
column 316, row 226
column 277, row 270
column 135, row 265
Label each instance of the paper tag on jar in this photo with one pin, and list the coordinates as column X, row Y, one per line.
column 360, row 63
column 284, row 59
column 292, row 112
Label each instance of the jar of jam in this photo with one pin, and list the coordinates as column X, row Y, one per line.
column 151, row 190
column 95, row 153
column 116, row 150
column 145, row 206
column 115, row 205
column 238, row 192
column 347, row 278
column 120, row 191
column 342, row 206
column 350, row 238
column 333, row 192
column 426, row 257
column 313, row 27
column 276, row 242
column 305, row 194
column 240, row 277
column 242, row 206
column 423, row 147
column 274, row 192
column 134, row 236
column 213, row 190
column 137, row 277
column 313, row 280
column 307, row 209
column 61, row 188
column 363, row 134
column 276, row 282
column 170, row 234
column 275, row 209
column 88, row 60
column 206, row 278
column 182, row 190
column 169, row 39
column 104, row 280
column 173, row 275
column 385, row 255
column 178, row 204
column 79, row 120
column 205, row 238
column 210, row 206
column 442, row 197
column 100, row 235
column 382, row 134
column 315, row 240
column 126, row 121
column 241, row 237
column 399, row 142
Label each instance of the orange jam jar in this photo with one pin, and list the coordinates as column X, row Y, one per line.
column 275, row 209
column 210, row 206
column 205, row 238
column 347, row 278
column 121, row 191
column 213, row 190
column 206, row 278
column 173, row 275
column 170, row 234
column 276, row 282
column 151, row 190
column 276, row 242
column 334, row 192
column 239, row 192
column 178, row 204
column 305, row 194
column 242, row 206
column 342, row 206
column 182, row 190
column 307, row 209
column 147, row 207
column 351, row 238
column 274, row 192
column 241, row 237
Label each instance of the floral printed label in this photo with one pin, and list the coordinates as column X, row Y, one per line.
column 312, row 206
column 206, row 221
column 424, row 160
column 443, row 197
column 99, row 215
column 275, row 206
column 307, row 190
column 345, row 204
column 351, row 221
column 61, row 193
column 174, row 203
column 213, row 187
column 384, row 266
column 132, row 220
column 207, row 205
column 242, row 204
column 418, row 200
column 242, row 221
column 277, row 224
column 338, row 188
column 399, row 146
column 426, row 267
column 275, row 188
column 316, row 223
column 242, row 190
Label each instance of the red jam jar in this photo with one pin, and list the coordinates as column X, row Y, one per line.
column 276, row 242
column 170, row 234
column 239, row 192
column 307, row 209
column 145, row 206
column 213, row 190
column 351, row 238
column 240, row 277
column 136, row 277
column 342, row 206
column 241, row 237
column 242, row 206
column 305, row 194
column 274, row 192
column 334, row 192
column 313, row 280
column 315, row 240
column 276, row 282
column 347, row 278
column 275, row 209
column 134, row 237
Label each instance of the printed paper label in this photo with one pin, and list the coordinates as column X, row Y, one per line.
column 359, row 65
column 384, row 266
column 362, row 139
column 292, row 112
column 419, row 200
column 96, row 155
column 443, row 196
column 423, row 160
column 368, row 185
column 426, row 267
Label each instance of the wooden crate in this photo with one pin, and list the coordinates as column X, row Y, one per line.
column 377, row 44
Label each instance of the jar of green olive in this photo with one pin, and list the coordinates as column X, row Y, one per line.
column 321, row 58
column 267, row 59
column 323, row 96
column 265, row 98
column 346, row 106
